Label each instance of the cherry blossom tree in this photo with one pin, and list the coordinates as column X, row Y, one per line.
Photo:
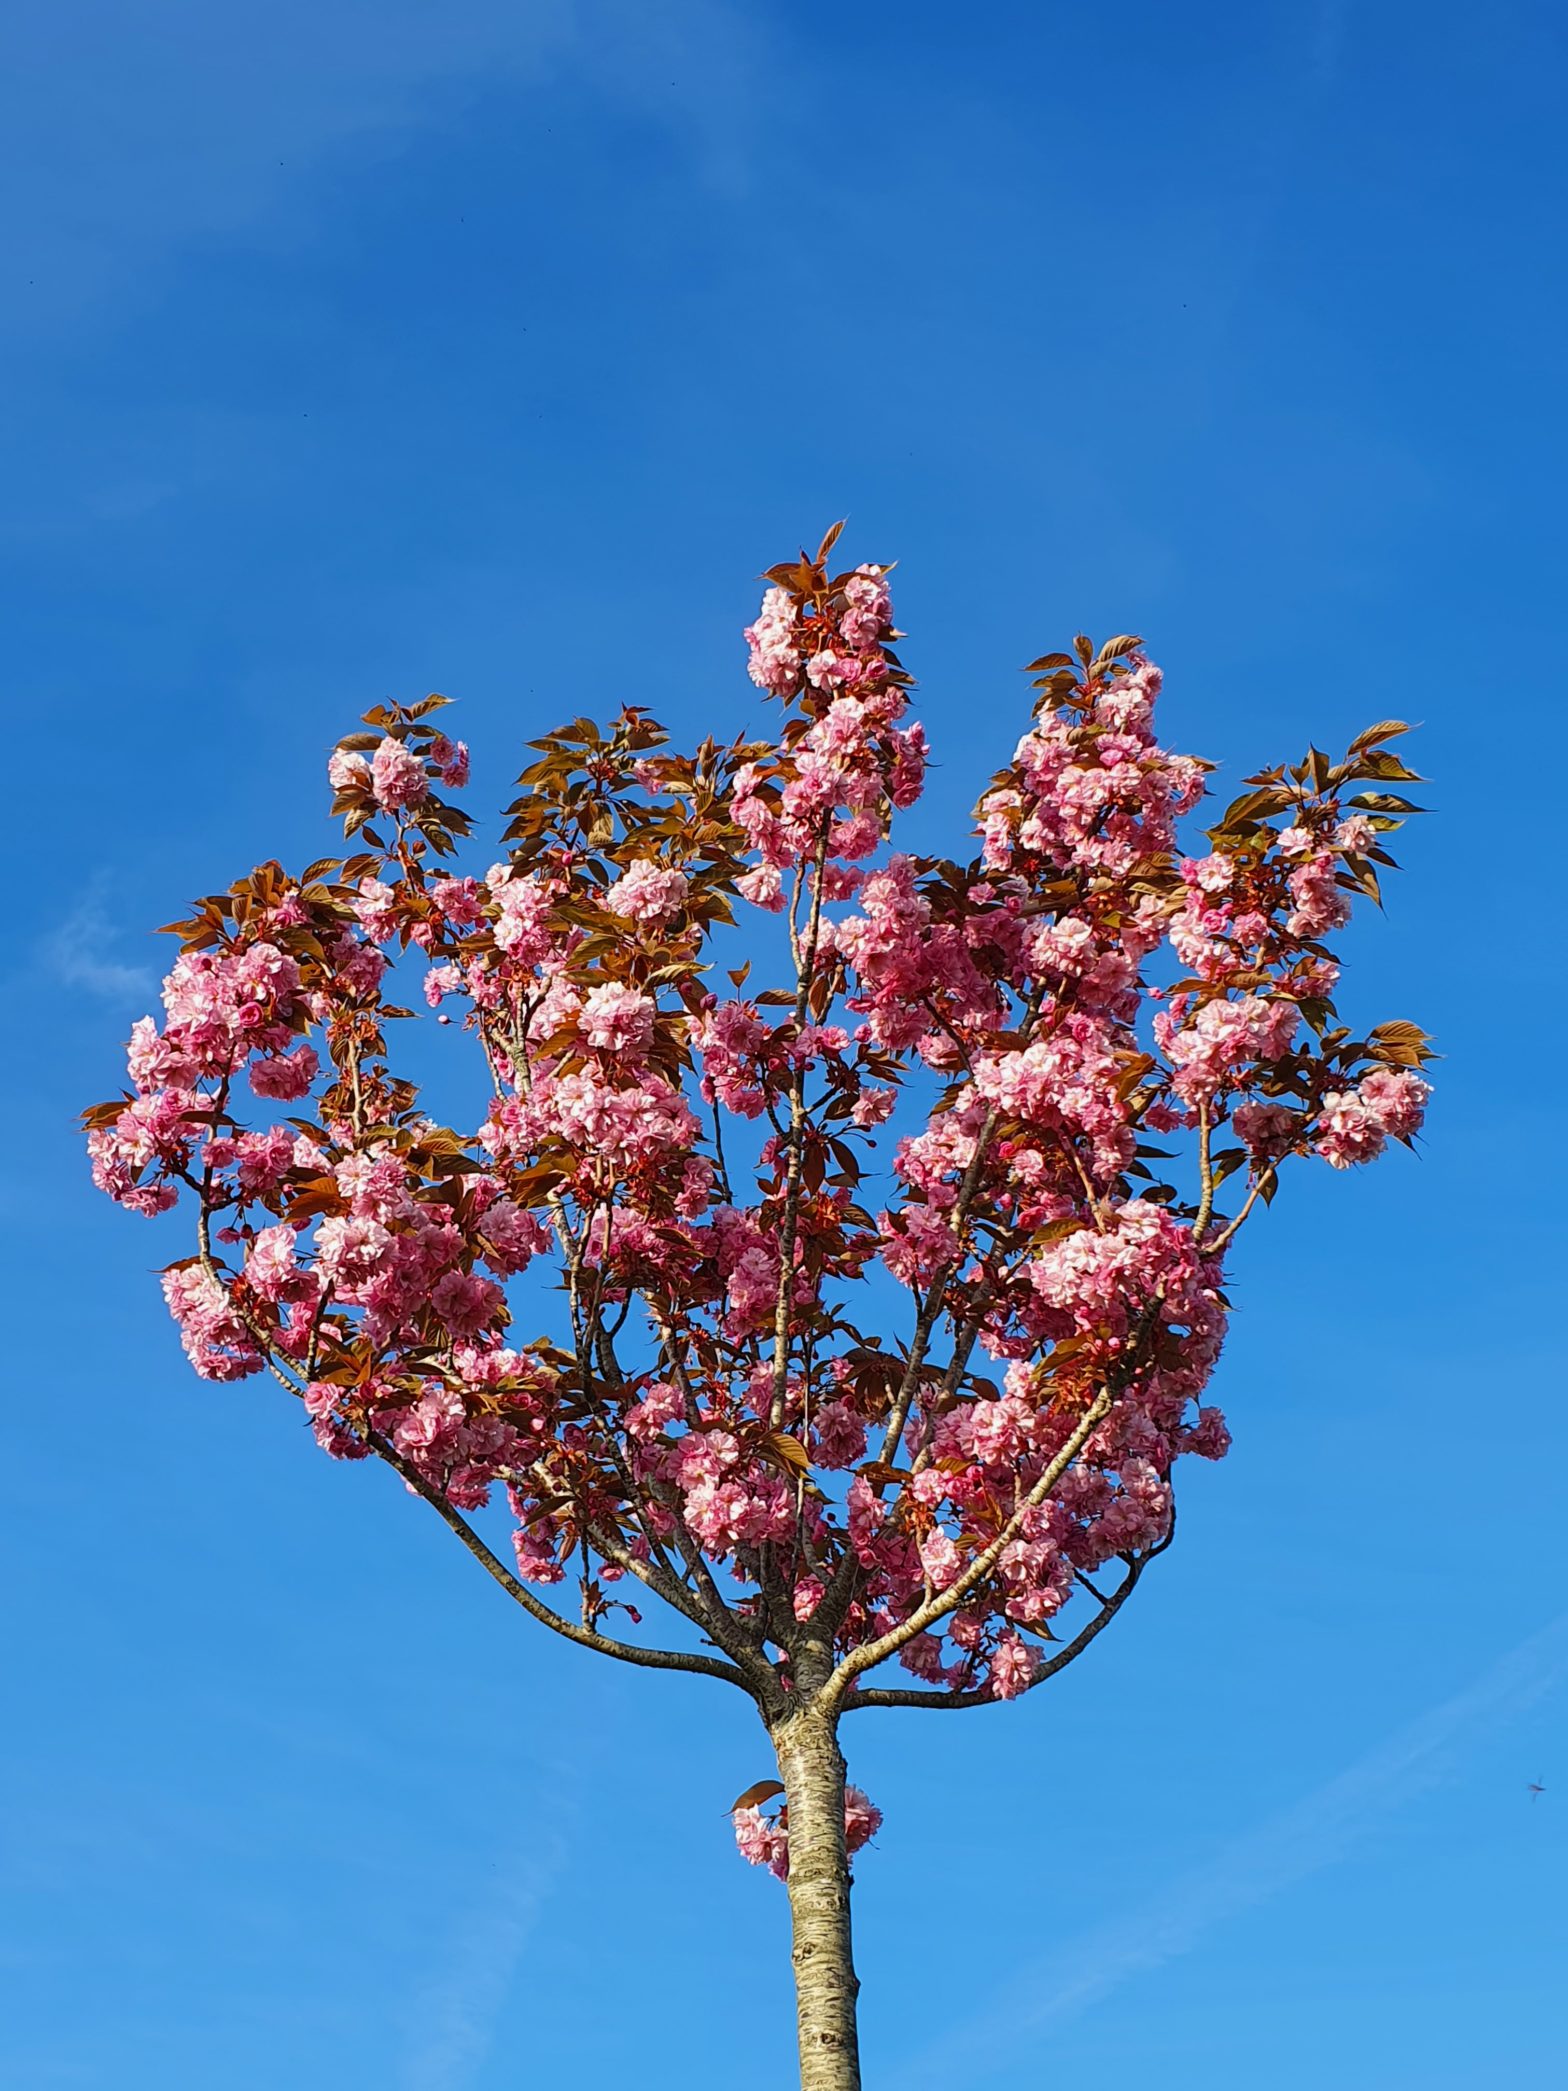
column 910, row 1446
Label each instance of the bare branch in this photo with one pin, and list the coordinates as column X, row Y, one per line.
column 1205, row 1175
column 602, row 1644
column 877, row 1695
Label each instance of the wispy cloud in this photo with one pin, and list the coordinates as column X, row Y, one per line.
column 139, row 132
column 454, row 2014
column 1328, row 40
column 80, row 952
column 1316, row 1832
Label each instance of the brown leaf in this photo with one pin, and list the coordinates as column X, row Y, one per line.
column 1400, row 1044
column 1385, row 802
column 789, row 1451
column 880, row 1474
column 754, row 1796
column 1125, row 642
column 1384, row 730
column 1389, row 768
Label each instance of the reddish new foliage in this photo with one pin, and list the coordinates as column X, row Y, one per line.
column 831, row 1427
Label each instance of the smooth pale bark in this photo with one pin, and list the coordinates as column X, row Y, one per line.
column 812, row 1768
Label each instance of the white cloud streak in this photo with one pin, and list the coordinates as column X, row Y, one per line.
column 1316, row 1832
column 137, row 133
column 80, row 954
column 454, row 2015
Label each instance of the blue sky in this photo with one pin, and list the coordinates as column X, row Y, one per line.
column 353, row 350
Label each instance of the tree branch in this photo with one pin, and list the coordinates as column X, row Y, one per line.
column 938, row 1606
column 943, row 1602
column 795, row 1145
column 602, row 1644
column 1090, row 1631
column 1205, row 1175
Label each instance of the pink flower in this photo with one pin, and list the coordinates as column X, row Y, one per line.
column 1320, row 902
column 1224, row 1037
column 215, row 1339
column 523, row 930
column 379, row 910
column 868, row 613
column 270, row 1266
column 346, row 772
column 451, row 761
column 1267, row 1131
column 285, row 1077
column 397, row 776
column 751, row 1292
column 1014, row 1666
column 808, row 1595
column 1211, row 874
column 999, row 1429
column 873, row 1107
column 940, row 1558
column 1208, row 1437
column 839, row 1434
column 764, row 888
column 1347, row 1131
column 917, row 1242
column 459, row 900
column 907, row 777
column 511, row 1238
column 775, row 655
column 648, row 893
column 1397, row 1099
column 1355, row 1125
column 153, row 1061
column 617, row 1019
column 351, row 1251
column 662, row 1405
column 762, row 1842
column 466, row 1302
column 862, row 1819
column 536, row 1556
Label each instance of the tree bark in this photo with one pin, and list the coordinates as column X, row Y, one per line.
column 812, row 1768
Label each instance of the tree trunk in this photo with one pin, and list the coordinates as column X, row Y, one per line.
column 812, row 1768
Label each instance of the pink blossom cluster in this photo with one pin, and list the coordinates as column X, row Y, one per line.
column 763, row 1839
column 774, row 641
column 830, row 789
column 222, row 1010
column 647, row 892
column 1355, row 1125
column 395, row 776
column 1210, row 1045
column 1096, row 790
